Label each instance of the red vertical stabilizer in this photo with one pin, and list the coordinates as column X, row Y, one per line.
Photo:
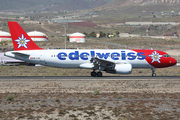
column 20, row 39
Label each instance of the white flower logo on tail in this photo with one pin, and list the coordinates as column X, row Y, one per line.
column 155, row 57
column 22, row 41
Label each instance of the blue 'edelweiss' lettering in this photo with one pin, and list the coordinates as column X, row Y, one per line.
column 105, row 56
column 115, row 55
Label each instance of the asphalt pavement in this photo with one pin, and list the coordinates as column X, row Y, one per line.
column 89, row 77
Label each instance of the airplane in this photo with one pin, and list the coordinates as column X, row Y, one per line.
column 115, row 61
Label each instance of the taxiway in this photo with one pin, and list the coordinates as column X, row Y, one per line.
column 91, row 78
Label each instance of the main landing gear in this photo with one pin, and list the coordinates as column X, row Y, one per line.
column 94, row 74
column 153, row 72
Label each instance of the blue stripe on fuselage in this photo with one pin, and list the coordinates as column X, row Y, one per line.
column 114, row 56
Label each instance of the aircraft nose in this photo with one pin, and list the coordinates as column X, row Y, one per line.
column 173, row 61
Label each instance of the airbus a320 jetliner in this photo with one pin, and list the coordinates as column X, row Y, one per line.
column 120, row 61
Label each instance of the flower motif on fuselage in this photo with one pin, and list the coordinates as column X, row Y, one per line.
column 155, row 57
column 22, row 41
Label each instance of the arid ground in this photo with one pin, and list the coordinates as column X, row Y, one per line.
column 90, row 99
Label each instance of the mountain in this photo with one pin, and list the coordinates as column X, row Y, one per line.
column 27, row 5
column 142, row 2
column 139, row 10
column 49, row 5
column 80, row 4
column 155, row 1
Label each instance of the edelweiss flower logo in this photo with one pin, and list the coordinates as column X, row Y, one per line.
column 22, row 41
column 155, row 57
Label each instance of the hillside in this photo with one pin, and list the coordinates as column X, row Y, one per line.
column 79, row 5
column 120, row 3
column 49, row 5
column 155, row 1
column 142, row 2
column 139, row 10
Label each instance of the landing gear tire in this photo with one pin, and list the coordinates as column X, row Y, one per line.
column 99, row 74
column 93, row 74
column 154, row 74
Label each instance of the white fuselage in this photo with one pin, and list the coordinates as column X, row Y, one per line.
column 73, row 58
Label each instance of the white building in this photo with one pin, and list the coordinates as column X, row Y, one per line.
column 150, row 23
column 129, row 35
column 4, row 36
column 77, row 37
column 38, row 36
column 31, row 22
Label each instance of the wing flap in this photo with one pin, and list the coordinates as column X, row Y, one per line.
column 107, row 63
column 102, row 61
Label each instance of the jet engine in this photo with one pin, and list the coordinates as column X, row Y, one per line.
column 123, row 68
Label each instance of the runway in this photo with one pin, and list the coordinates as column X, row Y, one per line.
column 89, row 77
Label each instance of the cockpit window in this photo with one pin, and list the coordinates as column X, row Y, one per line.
column 166, row 55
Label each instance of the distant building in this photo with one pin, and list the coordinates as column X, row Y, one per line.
column 129, row 35
column 138, row 23
column 34, row 35
column 161, row 37
column 4, row 36
column 37, row 36
column 97, row 35
column 110, row 36
column 150, row 23
column 31, row 22
column 77, row 37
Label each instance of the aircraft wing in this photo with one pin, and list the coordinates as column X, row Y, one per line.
column 21, row 54
column 95, row 63
column 107, row 62
column 102, row 61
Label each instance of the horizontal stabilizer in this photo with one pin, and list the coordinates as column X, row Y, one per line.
column 20, row 54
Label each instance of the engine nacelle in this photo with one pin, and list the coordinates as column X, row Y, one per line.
column 123, row 68
column 87, row 65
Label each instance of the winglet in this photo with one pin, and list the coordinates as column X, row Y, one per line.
column 20, row 39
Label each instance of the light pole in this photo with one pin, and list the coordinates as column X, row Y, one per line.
column 65, row 25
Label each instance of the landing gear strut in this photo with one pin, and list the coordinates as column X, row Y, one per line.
column 153, row 72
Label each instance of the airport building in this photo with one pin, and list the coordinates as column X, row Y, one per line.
column 129, row 35
column 77, row 37
column 37, row 36
column 4, row 36
column 150, row 23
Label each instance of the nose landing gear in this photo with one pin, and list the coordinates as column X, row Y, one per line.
column 153, row 72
